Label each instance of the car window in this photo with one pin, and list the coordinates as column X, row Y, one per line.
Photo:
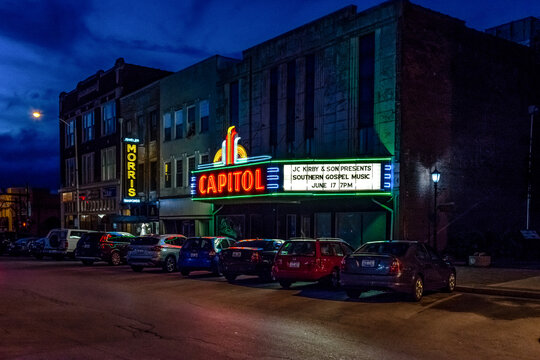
column 433, row 254
column 299, row 248
column 421, row 252
column 346, row 249
column 396, row 248
column 170, row 241
column 338, row 251
column 198, row 244
column 145, row 241
column 326, row 249
column 76, row 234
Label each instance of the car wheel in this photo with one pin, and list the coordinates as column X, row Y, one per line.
column 353, row 294
column 115, row 259
column 184, row 272
column 286, row 284
column 136, row 268
column 451, row 282
column 87, row 262
column 418, row 289
column 334, row 279
column 230, row 277
column 170, row 264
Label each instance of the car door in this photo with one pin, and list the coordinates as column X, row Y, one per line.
column 441, row 269
column 426, row 267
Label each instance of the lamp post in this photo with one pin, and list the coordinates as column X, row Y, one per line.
column 77, row 222
column 435, row 176
column 533, row 110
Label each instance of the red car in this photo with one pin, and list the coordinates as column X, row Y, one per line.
column 310, row 260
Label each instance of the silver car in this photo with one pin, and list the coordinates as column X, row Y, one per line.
column 155, row 251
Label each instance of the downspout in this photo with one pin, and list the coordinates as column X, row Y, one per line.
column 391, row 211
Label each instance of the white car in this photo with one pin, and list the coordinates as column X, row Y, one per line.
column 60, row 243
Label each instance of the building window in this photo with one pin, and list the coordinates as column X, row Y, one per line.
column 153, row 125
column 140, row 179
column 273, row 107
column 204, row 159
column 88, row 126
column 88, row 168
column 366, row 90
column 70, row 172
column 167, row 171
column 108, row 163
column 179, row 173
column 190, row 121
column 291, row 101
column 153, row 175
column 309, row 103
column 141, row 129
column 204, row 113
column 234, row 101
column 179, row 124
column 167, row 127
column 70, row 133
column 128, row 129
column 191, row 167
column 108, row 123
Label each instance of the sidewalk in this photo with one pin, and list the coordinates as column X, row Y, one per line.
column 499, row 281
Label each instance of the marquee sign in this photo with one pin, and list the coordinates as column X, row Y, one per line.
column 130, row 177
column 234, row 174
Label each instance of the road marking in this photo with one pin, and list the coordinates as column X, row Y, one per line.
column 437, row 302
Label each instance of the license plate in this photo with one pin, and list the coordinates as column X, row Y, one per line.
column 294, row 264
column 194, row 255
column 368, row 263
column 86, row 246
column 236, row 254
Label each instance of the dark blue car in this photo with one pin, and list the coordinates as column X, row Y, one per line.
column 202, row 253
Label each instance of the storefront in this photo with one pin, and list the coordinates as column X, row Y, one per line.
column 350, row 198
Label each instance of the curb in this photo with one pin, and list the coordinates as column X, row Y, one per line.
column 499, row 292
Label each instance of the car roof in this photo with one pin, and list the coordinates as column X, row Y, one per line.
column 395, row 241
column 166, row 236
column 259, row 239
column 317, row 239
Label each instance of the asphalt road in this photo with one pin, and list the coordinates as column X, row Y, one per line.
column 64, row 310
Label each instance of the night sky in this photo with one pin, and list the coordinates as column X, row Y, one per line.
column 48, row 46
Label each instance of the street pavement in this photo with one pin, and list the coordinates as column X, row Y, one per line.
column 524, row 283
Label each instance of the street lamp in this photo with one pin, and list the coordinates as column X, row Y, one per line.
column 77, row 222
column 435, row 176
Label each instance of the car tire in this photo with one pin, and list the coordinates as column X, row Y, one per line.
column 87, row 262
column 418, row 289
column 334, row 279
column 230, row 277
column 353, row 294
column 136, row 268
column 450, row 282
column 286, row 284
column 184, row 272
column 115, row 259
column 169, row 265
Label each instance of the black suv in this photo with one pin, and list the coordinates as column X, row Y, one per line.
column 111, row 247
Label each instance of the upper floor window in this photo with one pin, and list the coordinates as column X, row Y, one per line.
column 191, row 121
column 108, row 163
column 88, row 126
column 153, row 125
column 167, row 127
column 179, row 173
column 167, row 171
column 70, row 172
column 179, row 124
column 70, row 133
column 234, row 103
column 141, row 129
column 88, row 168
column 128, row 131
column 204, row 113
column 108, row 123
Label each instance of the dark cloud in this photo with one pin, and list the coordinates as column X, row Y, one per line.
column 29, row 157
column 52, row 24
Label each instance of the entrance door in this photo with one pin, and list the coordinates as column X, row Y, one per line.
column 358, row 228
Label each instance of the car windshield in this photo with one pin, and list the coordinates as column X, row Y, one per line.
column 264, row 244
column 198, row 244
column 397, row 249
column 299, row 248
column 92, row 237
column 145, row 241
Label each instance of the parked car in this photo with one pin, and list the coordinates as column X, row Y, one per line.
column 250, row 257
column 111, row 247
column 155, row 251
column 19, row 247
column 310, row 260
column 62, row 242
column 35, row 248
column 402, row 266
column 6, row 238
column 202, row 253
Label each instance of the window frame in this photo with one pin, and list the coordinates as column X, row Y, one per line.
column 88, row 132
column 108, row 125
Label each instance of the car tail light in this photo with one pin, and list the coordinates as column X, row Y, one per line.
column 66, row 244
column 212, row 253
column 396, row 266
column 343, row 265
column 255, row 257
